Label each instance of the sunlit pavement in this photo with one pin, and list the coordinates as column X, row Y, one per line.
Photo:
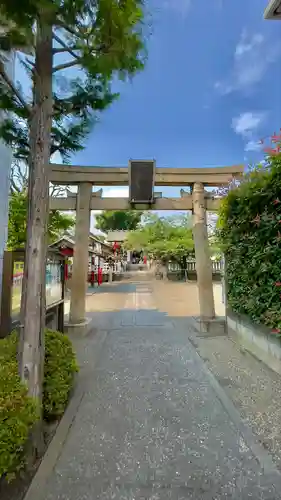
column 152, row 423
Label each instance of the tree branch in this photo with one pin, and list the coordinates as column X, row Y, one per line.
column 12, row 87
column 30, row 62
column 18, row 176
column 56, row 191
column 70, row 30
column 13, row 186
column 65, row 47
column 66, row 65
column 61, row 50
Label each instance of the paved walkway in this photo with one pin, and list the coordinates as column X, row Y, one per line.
column 152, row 422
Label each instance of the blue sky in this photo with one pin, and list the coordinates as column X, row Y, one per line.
column 209, row 92
column 210, row 89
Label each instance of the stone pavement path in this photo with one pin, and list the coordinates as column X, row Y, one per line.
column 151, row 424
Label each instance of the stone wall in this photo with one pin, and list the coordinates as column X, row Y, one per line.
column 256, row 339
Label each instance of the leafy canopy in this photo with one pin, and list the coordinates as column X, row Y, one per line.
column 104, row 39
column 59, row 222
column 163, row 237
column 126, row 220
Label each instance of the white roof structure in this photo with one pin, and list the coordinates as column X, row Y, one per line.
column 273, row 10
column 118, row 236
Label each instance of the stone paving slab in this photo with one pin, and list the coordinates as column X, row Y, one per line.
column 151, row 424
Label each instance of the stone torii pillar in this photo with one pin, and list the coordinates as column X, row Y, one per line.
column 77, row 314
column 202, row 254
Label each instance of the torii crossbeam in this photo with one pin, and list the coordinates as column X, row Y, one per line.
column 197, row 200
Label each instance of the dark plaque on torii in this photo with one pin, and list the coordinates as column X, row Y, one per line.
column 141, row 181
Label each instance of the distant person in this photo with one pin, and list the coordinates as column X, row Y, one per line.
column 99, row 276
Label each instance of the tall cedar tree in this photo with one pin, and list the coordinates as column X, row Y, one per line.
column 104, row 40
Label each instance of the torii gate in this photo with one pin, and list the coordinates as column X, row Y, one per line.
column 141, row 177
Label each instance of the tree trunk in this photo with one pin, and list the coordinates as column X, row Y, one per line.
column 31, row 355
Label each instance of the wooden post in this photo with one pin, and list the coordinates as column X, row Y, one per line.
column 202, row 254
column 81, row 255
column 6, row 295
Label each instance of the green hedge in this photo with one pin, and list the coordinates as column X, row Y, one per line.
column 18, row 412
column 249, row 230
column 59, row 370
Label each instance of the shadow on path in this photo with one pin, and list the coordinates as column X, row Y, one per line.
column 142, row 318
column 112, row 288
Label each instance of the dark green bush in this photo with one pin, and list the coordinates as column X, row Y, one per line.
column 60, row 368
column 250, row 234
column 18, row 412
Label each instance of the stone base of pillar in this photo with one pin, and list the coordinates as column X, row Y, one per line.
column 215, row 327
column 79, row 329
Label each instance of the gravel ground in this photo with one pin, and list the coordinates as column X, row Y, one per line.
column 254, row 389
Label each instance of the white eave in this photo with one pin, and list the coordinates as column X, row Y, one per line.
column 118, row 236
column 273, row 10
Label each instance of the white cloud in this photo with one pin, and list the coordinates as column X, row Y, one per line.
column 253, row 146
column 248, row 44
column 116, row 192
column 247, row 123
column 252, row 56
column 223, row 88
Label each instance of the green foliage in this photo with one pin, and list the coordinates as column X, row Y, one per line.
column 249, row 231
column 95, row 43
column 163, row 237
column 60, row 367
column 110, row 220
column 59, row 223
column 18, row 412
column 102, row 40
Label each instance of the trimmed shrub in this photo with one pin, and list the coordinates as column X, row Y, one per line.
column 59, row 371
column 18, row 412
column 9, row 347
column 249, row 230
